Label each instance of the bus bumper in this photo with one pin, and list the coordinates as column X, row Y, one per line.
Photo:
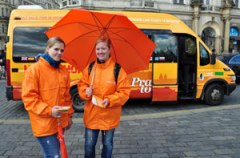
column 9, row 93
column 230, row 88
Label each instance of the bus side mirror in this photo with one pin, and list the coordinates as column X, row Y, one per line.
column 213, row 58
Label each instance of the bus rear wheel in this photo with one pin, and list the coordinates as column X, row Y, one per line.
column 78, row 103
column 214, row 94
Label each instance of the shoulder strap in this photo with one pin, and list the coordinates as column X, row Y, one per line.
column 116, row 71
column 117, row 68
column 90, row 67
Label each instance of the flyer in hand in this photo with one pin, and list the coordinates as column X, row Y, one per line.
column 97, row 101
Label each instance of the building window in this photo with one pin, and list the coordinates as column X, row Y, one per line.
column 208, row 36
column 236, row 3
column 206, row 2
column 2, row 11
column 72, row 2
column 64, row 3
column 234, row 31
column 6, row 11
column 3, row 28
column 234, row 39
column 178, row 1
column 136, row 3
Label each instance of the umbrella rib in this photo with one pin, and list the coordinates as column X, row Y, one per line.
column 125, row 40
column 106, row 27
column 97, row 21
column 80, row 23
column 93, row 51
column 109, row 23
column 81, row 36
column 94, row 25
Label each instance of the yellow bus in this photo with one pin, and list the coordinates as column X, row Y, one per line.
column 181, row 67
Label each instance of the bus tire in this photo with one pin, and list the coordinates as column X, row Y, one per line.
column 214, row 94
column 78, row 103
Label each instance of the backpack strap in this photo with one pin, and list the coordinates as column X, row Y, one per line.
column 90, row 67
column 116, row 71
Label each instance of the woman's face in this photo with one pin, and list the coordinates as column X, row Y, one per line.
column 56, row 51
column 102, row 51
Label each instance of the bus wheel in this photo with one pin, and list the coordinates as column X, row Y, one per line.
column 78, row 103
column 214, row 94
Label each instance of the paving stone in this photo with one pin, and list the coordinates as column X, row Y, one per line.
column 202, row 133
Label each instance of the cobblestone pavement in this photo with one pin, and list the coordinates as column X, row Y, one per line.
column 182, row 130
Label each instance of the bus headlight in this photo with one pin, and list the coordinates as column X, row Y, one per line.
column 233, row 78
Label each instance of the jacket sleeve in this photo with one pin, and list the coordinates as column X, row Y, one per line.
column 122, row 93
column 83, row 85
column 30, row 95
column 68, row 98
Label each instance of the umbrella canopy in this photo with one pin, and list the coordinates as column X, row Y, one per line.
column 80, row 29
column 60, row 137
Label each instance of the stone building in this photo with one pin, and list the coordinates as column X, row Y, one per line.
column 6, row 6
column 215, row 21
column 5, row 10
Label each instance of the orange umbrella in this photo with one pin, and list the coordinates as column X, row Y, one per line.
column 60, row 137
column 80, row 29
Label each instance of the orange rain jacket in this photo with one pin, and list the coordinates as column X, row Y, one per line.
column 44, row 87
column 104, row 86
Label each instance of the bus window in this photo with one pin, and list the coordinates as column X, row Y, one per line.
column 204, row 56
column 28, row 42
column 166, row 48
column 190, row 46
column 148, row 33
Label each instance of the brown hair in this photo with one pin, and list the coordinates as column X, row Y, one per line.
column 54, row 40
column 104, row 39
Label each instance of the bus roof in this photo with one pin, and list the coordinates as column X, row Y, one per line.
column 144, row 20
column 30, row 7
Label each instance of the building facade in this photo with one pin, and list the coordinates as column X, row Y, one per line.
column 5, row 10
column 215, row 21
column 6, row 6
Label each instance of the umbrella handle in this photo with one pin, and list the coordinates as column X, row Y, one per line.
column 93, row 76
column 91, row 84
column 58, row 121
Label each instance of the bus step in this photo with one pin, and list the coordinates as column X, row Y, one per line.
column 185, row 98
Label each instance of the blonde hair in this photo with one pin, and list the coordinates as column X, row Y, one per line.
column 104, row 39
column 54, row 40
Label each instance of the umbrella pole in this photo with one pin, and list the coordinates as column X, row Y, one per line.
column 63, row 147
column 93, row 76
column 60, row 136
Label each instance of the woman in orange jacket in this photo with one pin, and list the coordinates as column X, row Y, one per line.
column 104, row 97
column 45, row 91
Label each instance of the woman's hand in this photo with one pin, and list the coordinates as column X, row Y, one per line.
column 55, row 112
column 89, row 91
column 105, row 102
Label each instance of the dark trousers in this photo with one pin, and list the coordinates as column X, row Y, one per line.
column 91, row 137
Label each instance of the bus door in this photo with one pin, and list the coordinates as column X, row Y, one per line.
column 187, row 67
column 164, row 67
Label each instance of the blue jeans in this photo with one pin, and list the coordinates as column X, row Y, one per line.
column 50, row 146
column 91, row 137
